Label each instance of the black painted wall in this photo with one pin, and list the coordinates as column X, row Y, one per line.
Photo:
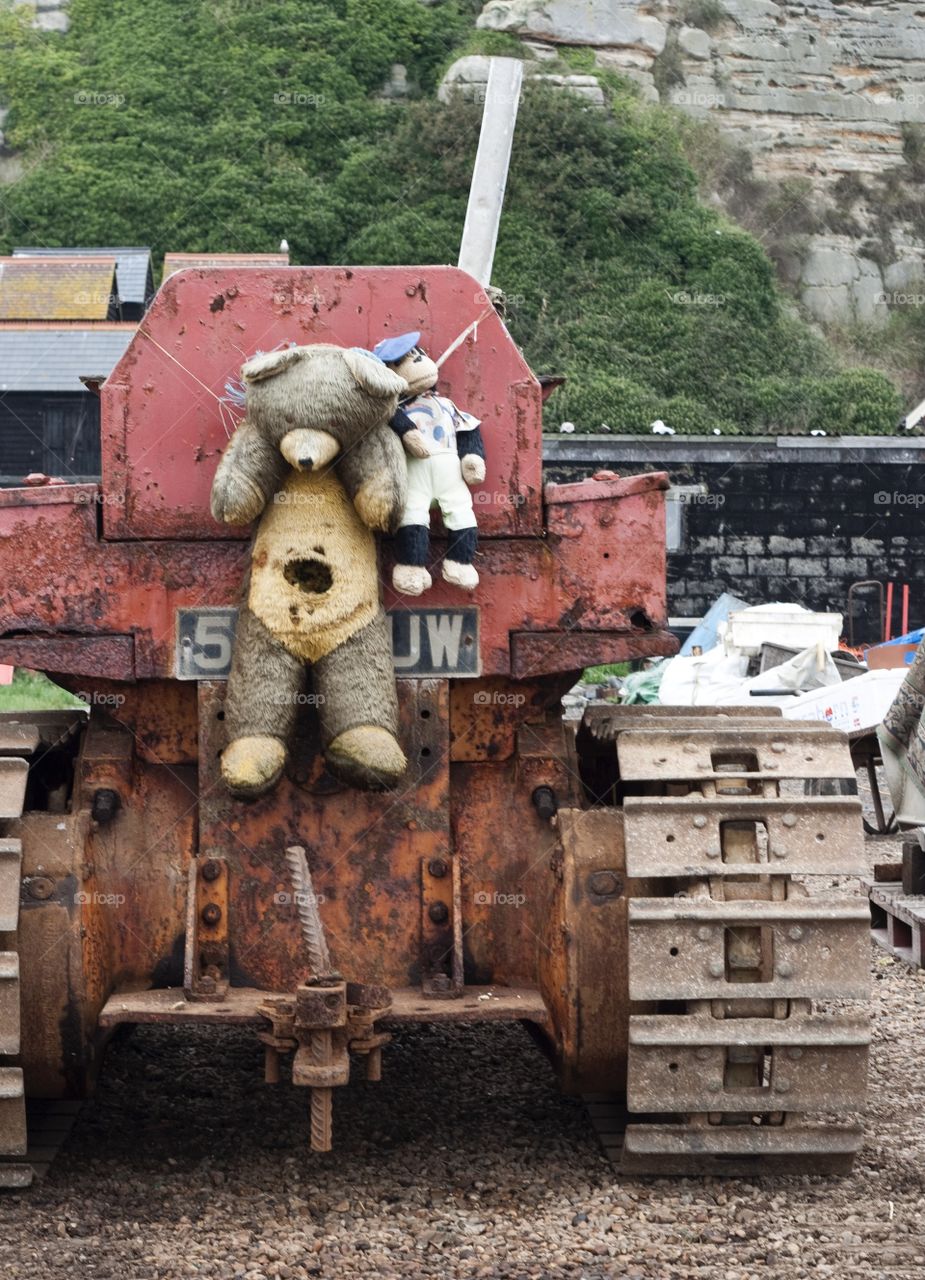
column 781, row 521
column 56, row 433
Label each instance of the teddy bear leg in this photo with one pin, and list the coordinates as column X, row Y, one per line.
column 260, row 708
column 458, row 567
column 412, row 549
column 358, row 706
column 457, row 509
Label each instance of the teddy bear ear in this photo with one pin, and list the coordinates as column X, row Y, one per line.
column 372, row 375
column 268, row 364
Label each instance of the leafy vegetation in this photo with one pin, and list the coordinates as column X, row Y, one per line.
column 33, row 691
column 226, row 125
column 706, row 14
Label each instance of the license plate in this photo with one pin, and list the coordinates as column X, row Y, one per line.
column 425, row 642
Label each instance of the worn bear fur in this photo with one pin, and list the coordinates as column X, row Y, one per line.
column 316, row 461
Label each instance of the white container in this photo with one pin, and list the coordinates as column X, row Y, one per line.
column 787, row 624
column 854, row 705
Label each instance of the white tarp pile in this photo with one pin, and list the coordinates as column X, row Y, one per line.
column 806, row 687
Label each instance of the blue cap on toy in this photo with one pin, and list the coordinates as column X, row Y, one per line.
column 391, row 349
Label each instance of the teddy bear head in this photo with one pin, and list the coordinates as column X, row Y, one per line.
column 403, row 355
column 316, row 402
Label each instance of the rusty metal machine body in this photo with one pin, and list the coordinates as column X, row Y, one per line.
column 526, row 869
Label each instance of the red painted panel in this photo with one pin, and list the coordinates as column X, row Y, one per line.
column 598, row 567
column 161, row 418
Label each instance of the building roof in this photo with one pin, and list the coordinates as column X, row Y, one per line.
column 175, row 261
column 54, row 358
column 58, row 289
column 133, row 266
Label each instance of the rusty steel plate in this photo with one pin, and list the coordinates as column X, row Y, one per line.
column 18, row 739
column 9, row 1003
column 787, row 749
column 12, row 1112
column 800, row 1064
column 686, row 836
column 10, row 872
column 241, row 1006
column 13, row 774
column 734, row 1150
column 680, row 949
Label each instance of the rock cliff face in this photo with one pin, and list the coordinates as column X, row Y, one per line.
column 829, row 94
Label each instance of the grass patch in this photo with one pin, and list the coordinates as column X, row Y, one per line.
column 594, row 675
column 33, row 691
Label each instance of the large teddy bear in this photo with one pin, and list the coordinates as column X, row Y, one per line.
column 316, row 460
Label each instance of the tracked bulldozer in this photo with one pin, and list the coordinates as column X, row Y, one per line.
column 650, row 891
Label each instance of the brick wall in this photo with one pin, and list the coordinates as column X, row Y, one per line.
column 781, row 519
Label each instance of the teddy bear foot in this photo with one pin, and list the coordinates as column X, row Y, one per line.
column 411, row 579
column 461, row 575
column 367, row 756
column 251, row 766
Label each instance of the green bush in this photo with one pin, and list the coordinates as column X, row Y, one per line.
column 856, row 402
column 228, row 124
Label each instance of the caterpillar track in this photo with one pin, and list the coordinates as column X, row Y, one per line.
column 17, row 743
column 747, row 1053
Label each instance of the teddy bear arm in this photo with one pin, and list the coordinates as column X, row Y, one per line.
column 374, row 474
column 412, row 439
column 471, row 450
column 249, row 473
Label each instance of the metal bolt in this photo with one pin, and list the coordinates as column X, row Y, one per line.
column 795, row 1053
column 439, row 912
column 105, row 805
column 778, row 852
column 690, row 748
column 700, row 820
column 702, row 1053
column 716, row 968
column 713, row 1086
column 441, row 982
column 789, row 819
column 704, row 933
column 40, row 887
column 782, row 1086
column 211, row 870
column 211, row 914
column 713, row 851
column 778, row 747
column 784, row 970
column 770, row 764
column 206, row 985
column 437, row 868
column 545, row 803
column 795, row 932
column 605, row 884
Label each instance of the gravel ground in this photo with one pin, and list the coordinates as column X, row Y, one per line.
column 464, row 1161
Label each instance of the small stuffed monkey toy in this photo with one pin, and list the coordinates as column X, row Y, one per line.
column 445, row 455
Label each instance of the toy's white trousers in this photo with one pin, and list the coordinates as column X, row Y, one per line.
column 437, row 481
